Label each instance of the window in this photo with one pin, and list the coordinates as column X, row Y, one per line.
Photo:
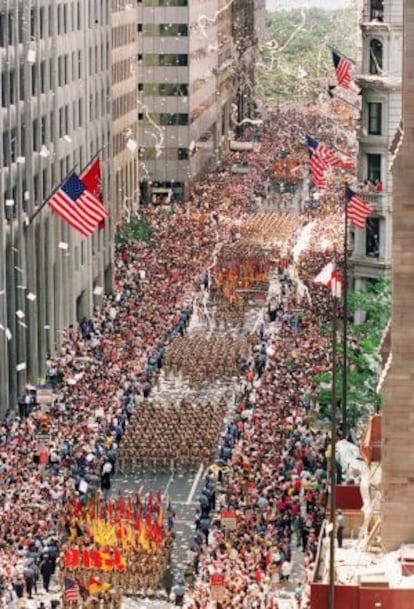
column 374, row 118
column 377, row 10
column 374, row 168
column 375, row 56
column 372, row 238
column 165, row 59
column 182, row 154
column 173, row 119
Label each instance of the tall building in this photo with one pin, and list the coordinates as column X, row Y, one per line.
column 195, row 62
column 379, row 77
column 55, row 89
column 124, row 98
column 397, row 522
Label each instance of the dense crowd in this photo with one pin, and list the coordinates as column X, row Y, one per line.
column 170, row 436
column 103, row 370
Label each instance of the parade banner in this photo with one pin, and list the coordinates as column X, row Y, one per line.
column 217, row 587
column 228, row 520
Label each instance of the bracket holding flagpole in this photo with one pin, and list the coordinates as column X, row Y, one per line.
column 39, row 209
column 332, row 96
column 335, row 50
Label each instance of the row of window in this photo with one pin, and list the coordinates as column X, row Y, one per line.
column 122, row 70
column 120, row 140
column 165, row 89
column 43, row 74
column 163, row 2
column 167, row 119
column 44, row 129
column 45, row 21
column 123, row 35
column 124, row 104
column 163, row 59
column 163, row 29
column 168, row 154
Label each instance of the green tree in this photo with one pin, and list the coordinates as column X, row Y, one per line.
column 296, row 59
column 363, row 357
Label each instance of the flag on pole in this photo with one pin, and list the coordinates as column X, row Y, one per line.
column 96, row 586
column 317, row 163
column 329, row 156
column 91, row 179
column 331, row 278
column 358, row 209
column 342, row 70
column 78, row 206
column 71, row 590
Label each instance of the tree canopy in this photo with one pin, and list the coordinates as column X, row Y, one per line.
column 296, row 59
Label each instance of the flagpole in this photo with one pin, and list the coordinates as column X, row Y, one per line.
column 39, row 209
column 332, row 509
column 345, row 328
column 341, row 54
column 95, row 156
column 355, row 107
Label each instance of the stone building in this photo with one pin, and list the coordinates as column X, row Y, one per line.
column 397, row 521
column 379, row 78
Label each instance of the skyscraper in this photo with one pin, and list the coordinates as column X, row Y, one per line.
column 196, row 77
column 56, row 90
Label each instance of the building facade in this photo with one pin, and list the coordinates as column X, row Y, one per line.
column 379, row 77
column 124, row 98
column 56, row 116
column 193, row 86
column 397, row 523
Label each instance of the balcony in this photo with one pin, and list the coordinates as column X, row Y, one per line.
column 379, row 201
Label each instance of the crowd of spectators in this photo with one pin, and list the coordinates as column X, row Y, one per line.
column 103, row 370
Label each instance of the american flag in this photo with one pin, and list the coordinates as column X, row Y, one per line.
column 75, row 204
column 71, row 593
column 317, row 163
column 358, row 209
column 333, row 160
column 342, row 70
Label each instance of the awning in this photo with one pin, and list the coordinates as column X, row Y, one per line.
column 370, row 445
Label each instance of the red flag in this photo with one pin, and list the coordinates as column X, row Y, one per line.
column 91, row 178
column 150, row 504
column 68, row 559
column 119, row 560
column 86, row 559
column 120, row 506
column 96, row 559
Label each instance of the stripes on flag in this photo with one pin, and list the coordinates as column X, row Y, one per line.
column 342, row 70
column 358, row 209
column 322, row 157
column 71, row 593
column 77, row 206
column 317, row 163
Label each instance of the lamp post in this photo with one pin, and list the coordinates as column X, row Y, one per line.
column 336, row 293
column 344, row 422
